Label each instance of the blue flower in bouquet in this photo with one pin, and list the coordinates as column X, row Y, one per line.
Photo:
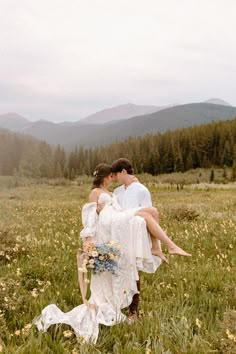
column 102, row 257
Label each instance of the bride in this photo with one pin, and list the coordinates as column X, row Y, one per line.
column 111, row 293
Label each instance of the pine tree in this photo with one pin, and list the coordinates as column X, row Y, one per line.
column 233, row 172
column 212, row 175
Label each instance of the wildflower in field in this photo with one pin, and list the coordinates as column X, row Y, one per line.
column 67, row 334
column 34, row 292
column 230, row 335
column 28, row 326
column 17, row 332
column 198, row 323
column 81, row 340
column 74, row 351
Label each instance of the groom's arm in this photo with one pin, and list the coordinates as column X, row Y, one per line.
column 145, row 199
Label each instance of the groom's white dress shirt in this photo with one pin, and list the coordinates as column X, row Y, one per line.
column 134, row 196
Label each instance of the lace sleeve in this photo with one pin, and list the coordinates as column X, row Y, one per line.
column 89, row 220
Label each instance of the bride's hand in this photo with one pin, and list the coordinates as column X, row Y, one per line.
column 86, row 244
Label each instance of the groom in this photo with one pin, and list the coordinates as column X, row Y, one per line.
column 130, row 194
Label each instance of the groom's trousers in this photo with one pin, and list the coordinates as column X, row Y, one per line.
column 133, row 307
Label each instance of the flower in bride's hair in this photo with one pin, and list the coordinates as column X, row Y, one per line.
column 94, row 254
column 95, row 173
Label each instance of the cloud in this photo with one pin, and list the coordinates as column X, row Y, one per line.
column 64, row 60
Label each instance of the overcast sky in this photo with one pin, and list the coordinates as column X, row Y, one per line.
column 65, row 59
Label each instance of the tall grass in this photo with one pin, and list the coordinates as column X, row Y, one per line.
column 186, row 307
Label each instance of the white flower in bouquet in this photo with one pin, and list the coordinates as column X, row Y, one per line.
column 103, row 258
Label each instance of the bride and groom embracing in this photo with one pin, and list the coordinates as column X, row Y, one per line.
column 127, row 218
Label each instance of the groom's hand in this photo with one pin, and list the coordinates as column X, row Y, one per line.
column 100, row 206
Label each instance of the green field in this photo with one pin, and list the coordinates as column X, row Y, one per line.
column 187, row 306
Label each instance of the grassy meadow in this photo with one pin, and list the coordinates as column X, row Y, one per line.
column 187, row 306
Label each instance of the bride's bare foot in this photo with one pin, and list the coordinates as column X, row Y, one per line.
column 158, row 253
column 178, row 251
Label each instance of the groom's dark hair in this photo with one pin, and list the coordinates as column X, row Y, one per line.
column 120, row 164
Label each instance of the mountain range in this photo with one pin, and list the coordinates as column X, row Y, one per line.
column 121, row 112
column 116, row 124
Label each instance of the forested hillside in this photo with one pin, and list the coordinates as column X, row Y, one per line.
column 213, row 144
column 208, row 145
column 26, row 156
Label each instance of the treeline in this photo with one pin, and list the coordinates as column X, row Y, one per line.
column 212, row 144
column 208, row 145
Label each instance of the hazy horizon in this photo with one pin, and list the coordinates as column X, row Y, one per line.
column 63, row 61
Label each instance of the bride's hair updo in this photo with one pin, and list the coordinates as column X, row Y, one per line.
column 101, row 171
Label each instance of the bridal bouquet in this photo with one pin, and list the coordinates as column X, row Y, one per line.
column 101, row 258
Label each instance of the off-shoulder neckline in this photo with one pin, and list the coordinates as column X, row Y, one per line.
column 110, row 194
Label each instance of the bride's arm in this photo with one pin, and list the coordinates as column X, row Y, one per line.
column 89, row 219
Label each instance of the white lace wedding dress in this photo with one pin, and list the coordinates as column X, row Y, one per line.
column 110, row 293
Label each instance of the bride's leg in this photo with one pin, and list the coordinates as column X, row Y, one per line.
column 156, row 249
column 159, row 233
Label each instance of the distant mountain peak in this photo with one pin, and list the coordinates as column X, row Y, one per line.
column 218, row 101
column 121, row 112
column 12, row 115
column 13, row 121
